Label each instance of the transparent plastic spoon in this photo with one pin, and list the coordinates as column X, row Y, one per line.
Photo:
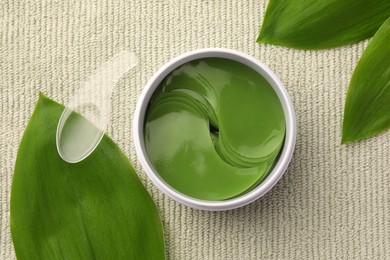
column 84, row 120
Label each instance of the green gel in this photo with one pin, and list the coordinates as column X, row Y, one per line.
column 214, row 129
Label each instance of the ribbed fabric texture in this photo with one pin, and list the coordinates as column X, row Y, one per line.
column 332, row 203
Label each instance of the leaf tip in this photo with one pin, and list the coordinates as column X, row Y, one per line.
column 42, row 95
column 348, row 136
column 262, row 38
column 43, row 99
column 344, row 140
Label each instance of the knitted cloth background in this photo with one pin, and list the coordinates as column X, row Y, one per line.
column 332, row 203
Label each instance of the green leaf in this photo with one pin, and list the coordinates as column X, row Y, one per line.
column 367, row 106
column 95, row 209
column 321, row 24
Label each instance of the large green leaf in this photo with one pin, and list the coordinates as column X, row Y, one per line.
column 367, row 106
column 95, row 209
column 321, row 24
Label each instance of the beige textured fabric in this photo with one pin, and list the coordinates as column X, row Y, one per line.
column 334, row 200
